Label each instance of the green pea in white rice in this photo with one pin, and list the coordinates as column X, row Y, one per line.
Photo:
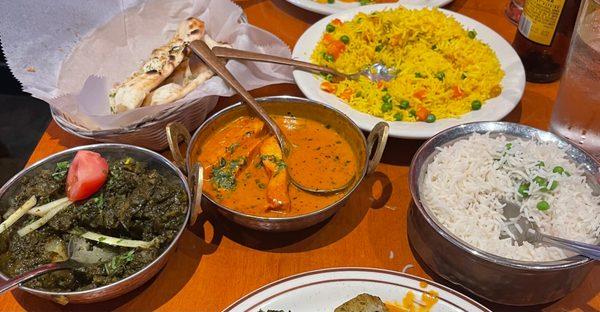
column 466, row 181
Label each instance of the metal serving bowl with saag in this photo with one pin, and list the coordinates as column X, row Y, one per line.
column 122, row 228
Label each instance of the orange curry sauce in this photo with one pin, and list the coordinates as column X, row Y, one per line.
column 244, row 169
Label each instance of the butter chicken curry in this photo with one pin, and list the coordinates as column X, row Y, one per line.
column 244, row 168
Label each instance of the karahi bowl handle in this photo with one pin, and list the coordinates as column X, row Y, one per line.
column 196, row 180
column 176, row 131
column 378, row 137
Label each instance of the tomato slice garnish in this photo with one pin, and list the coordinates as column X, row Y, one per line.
column 87, row 173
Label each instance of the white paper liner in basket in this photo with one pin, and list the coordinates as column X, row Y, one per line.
column 70, row 53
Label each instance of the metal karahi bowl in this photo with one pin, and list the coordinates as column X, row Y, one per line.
column 368, row 151
column 110, row 151
column 489, row 276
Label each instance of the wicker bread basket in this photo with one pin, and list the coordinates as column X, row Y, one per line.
column 148, row 133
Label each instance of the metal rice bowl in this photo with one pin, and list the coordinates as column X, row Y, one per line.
column 489, row 276
column 129, row 283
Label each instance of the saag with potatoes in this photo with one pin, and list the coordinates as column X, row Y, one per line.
column 123, row 226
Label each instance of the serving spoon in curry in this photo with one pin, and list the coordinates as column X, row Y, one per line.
column 203, row 51
column 77, row 256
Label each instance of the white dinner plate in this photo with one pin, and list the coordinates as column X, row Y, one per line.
column 513, row 83
column 324, row 290
column 339, row 6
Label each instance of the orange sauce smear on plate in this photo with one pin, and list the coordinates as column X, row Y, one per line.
column 410, row 304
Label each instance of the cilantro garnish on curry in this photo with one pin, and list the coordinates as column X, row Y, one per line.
column 245, row 170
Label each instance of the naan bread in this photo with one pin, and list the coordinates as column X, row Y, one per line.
column 161, row 64
column 188, row 76
column 165, row 94
column 191, row 73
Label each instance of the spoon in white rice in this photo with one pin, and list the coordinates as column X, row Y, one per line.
column 523, row 230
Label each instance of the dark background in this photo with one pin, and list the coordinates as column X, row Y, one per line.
column 23, row 120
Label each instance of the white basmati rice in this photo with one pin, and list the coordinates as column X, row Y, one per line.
column 466, row 180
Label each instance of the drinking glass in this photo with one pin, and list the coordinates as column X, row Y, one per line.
column 576, row 114
column 513, row 10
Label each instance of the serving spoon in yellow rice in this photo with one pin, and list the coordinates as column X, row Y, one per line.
column 375, row 72
column 441, row 70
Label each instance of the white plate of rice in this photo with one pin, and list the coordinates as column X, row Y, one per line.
column 339, row 6
column 494, row 109
column 464, row 183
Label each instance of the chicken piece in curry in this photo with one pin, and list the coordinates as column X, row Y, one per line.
column 245, row 170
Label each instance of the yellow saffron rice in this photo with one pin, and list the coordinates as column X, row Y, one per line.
column 441, row 68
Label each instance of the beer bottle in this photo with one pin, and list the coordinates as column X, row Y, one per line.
column 543, row 37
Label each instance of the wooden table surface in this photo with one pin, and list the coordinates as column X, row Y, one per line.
column 217, row 262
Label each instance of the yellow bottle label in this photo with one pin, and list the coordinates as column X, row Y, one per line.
column 539, row 19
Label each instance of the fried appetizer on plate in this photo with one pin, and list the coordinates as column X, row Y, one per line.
column 363, row 303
